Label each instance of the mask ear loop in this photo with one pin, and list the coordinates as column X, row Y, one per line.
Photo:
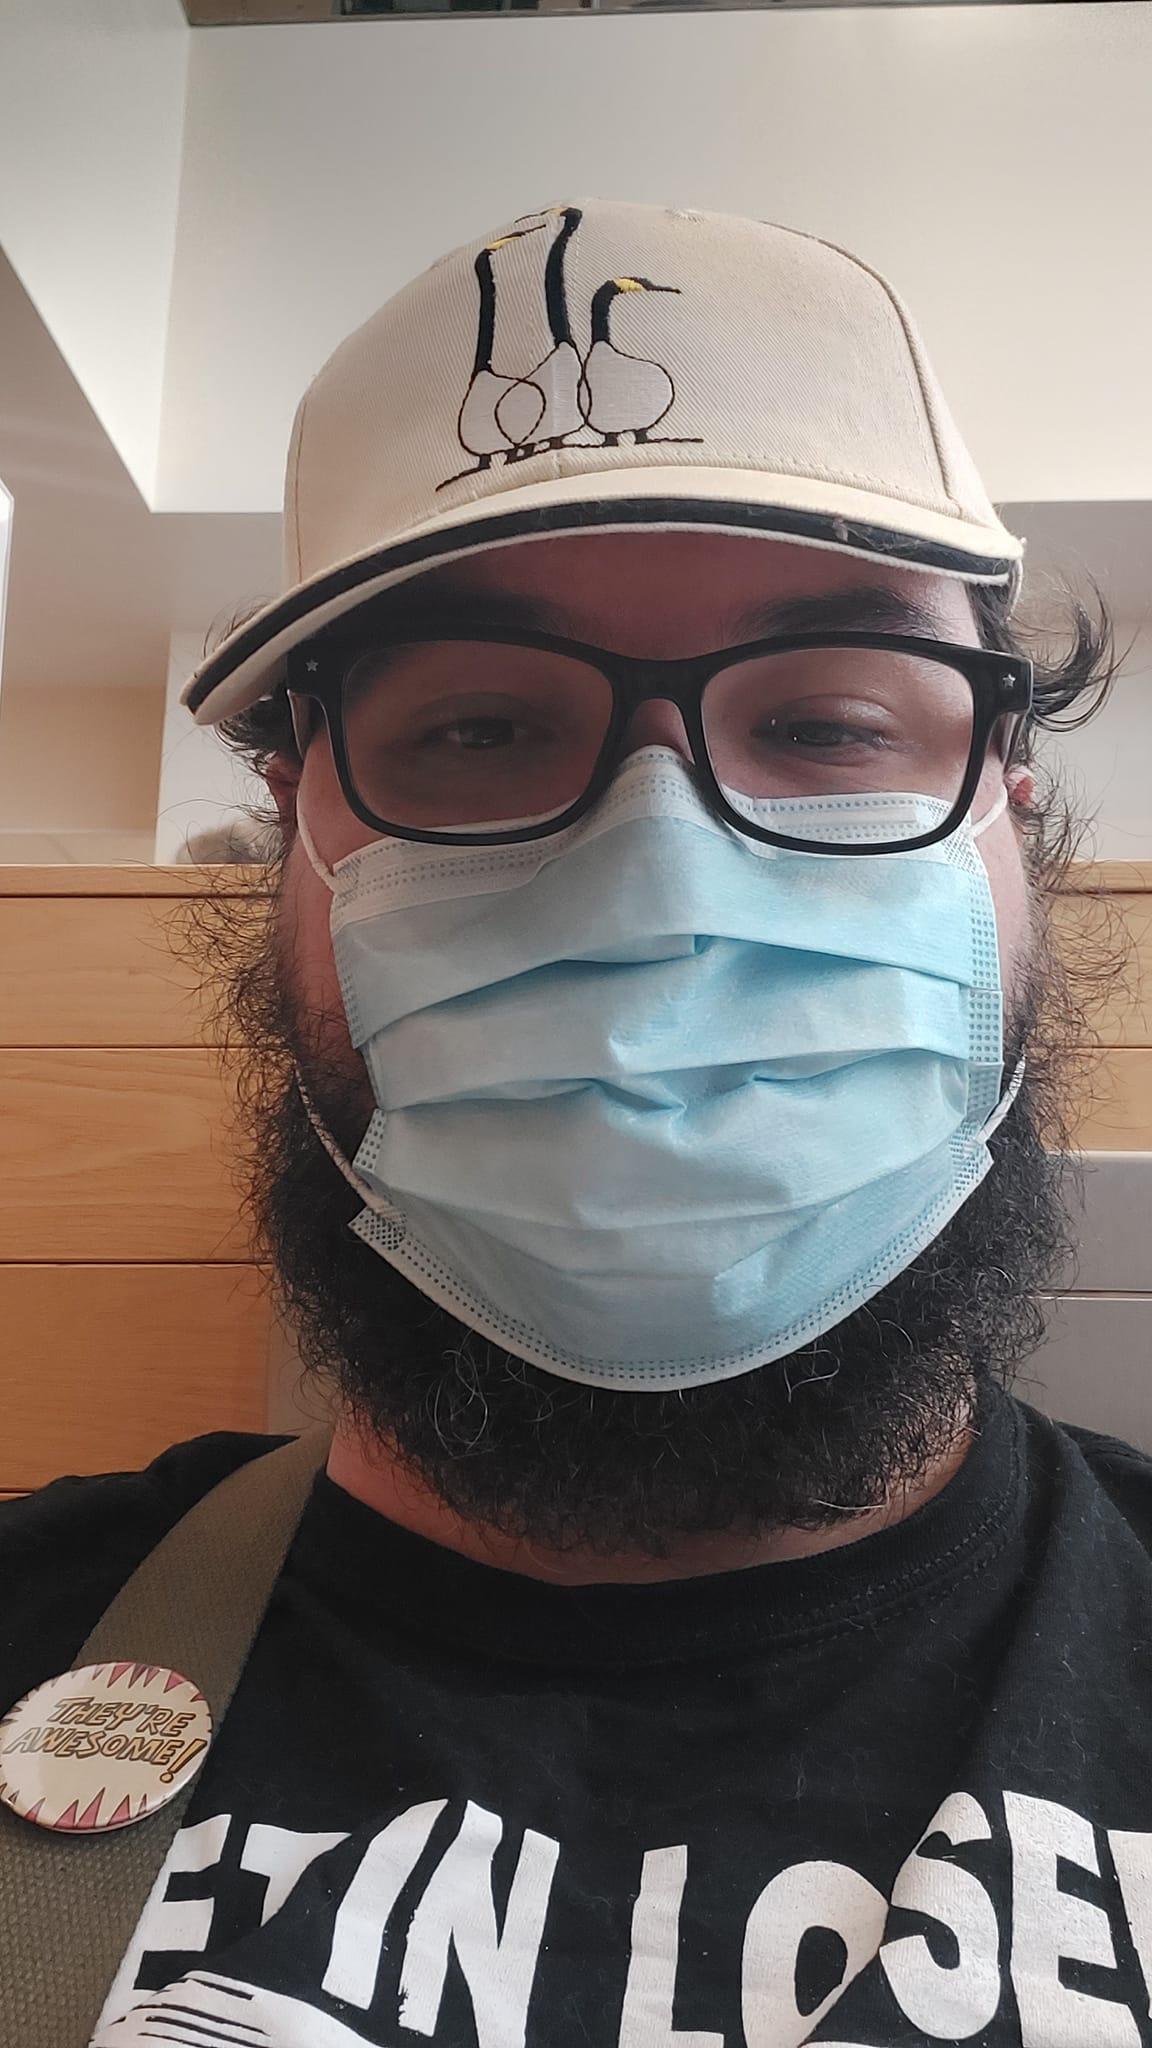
column 325, row 874
column 378, row 1204
column 998, row 1115
column 997, row 811
column 371, row 1200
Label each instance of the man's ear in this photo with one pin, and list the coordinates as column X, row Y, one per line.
column 282, row 774
column 1021, row 787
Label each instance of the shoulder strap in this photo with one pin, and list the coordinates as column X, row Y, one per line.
column 69, row 1904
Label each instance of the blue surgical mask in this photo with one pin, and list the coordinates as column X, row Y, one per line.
column 656, row 1103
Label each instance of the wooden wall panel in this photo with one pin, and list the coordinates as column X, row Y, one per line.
column 116, row 1154
column 131, row 1314
column 1123, row 1013
column 93, row 971
column 1113, row 877
column 1118, row 1115
column 104, row 1366
column 48, row 882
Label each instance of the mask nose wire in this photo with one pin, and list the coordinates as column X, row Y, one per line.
column 325, row 874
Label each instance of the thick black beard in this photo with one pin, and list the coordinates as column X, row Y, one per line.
column 805, row 1442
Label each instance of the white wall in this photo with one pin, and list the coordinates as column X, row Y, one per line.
column 203, row 787
column 996, row 161
column 1109, row 763
column 91, row 130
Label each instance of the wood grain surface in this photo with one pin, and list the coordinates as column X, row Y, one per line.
column 94, row 970
column 119, row 1154
column 104, row 1366
column 231, row 880
column 1117, row 1117
column 1098, row 935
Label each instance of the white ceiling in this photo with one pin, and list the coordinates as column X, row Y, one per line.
column 85, row 597
column 98, row 583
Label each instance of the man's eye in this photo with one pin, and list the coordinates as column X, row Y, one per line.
column 820, row 734
column 472, row 735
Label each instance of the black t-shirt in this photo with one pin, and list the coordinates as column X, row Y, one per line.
column 899, row 1793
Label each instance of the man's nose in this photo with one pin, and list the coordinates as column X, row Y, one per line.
column 657, row 724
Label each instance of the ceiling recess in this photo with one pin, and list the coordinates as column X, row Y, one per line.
column 266, row 13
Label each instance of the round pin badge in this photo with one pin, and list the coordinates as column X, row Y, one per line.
column 103, row 1746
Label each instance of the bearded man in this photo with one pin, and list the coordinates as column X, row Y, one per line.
column 655, row 1060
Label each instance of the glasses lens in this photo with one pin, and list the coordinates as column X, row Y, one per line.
column 840, row 721
column 467, row 734
column 458, row 733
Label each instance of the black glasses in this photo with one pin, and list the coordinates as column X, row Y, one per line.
column 475, row 738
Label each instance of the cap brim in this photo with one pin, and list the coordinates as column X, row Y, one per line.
column 246, row 665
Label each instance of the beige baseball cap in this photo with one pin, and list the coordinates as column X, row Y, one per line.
column 618, row 368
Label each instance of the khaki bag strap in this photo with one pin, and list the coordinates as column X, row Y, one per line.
column 69, row 1904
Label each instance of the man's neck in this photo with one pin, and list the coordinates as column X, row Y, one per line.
column 383, row 1484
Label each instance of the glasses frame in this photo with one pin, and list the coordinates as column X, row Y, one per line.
column 1001, row 686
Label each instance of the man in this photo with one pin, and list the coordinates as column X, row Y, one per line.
column 690, row 1642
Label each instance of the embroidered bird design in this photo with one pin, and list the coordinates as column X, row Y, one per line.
column 541, row 409
column 478, row 426
column 621, row 393
column 606, row 393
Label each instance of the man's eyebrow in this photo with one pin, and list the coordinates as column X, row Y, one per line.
column 875, row 608
column 494, row 610
column 866, row 608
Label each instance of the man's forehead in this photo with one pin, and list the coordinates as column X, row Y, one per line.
column 731, row 589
